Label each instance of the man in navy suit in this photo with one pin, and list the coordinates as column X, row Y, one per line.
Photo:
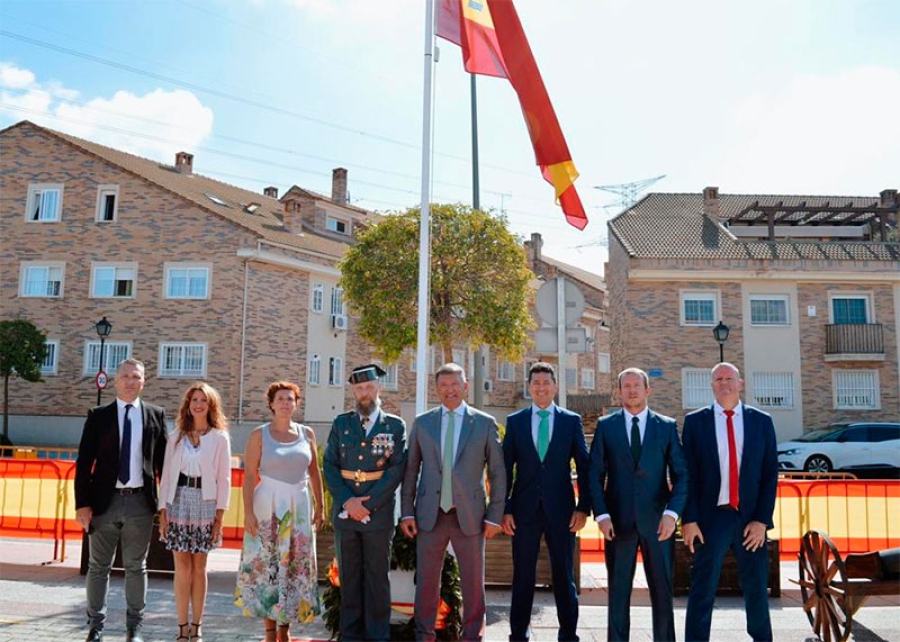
column 732, row 481
column 540, row 444
column 635, row 455
column 120, row 460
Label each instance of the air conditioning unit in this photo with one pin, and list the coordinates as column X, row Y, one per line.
column 489, row 385
column 339, row 321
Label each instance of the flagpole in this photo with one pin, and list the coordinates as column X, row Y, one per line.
column 481, row 355
column 422, row 338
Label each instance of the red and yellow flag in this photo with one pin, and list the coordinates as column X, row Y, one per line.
column 494, row 44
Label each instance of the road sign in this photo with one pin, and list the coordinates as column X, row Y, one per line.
column 546, row 303
column 102, row 380
column 546, row 342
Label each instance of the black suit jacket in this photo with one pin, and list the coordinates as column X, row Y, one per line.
column 98, row 456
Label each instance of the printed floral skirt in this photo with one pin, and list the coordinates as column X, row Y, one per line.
column 190, row 520
column 277, row 577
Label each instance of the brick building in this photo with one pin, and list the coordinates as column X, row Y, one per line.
column 809, row 287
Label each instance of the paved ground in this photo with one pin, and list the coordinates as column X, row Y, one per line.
column 45, row 601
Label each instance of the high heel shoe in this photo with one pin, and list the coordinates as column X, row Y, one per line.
column 197, row 633
column 181, row 633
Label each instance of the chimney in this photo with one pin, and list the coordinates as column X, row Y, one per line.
column 184, row 163
column 290, row 217
column 533, row 250
column 888, row 197
column 271, row 192
column 339, row 185
column 711, row 201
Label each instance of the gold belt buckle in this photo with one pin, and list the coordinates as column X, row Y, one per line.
column 359, row 477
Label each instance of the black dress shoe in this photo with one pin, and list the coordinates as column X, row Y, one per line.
column 94, row 635
column 134, row 635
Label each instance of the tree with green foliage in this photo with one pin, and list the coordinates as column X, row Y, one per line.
column 479, row 282
column 22, row 351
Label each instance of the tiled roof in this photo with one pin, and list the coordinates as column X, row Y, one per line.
column 265, row 221
column 669, row 226
column 589, row 278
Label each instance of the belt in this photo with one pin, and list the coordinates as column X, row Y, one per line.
column 130, row 491
column 191, row 482
column 728, row 508
column 362, row 476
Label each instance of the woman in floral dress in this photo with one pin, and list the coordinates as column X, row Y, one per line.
column 277, row 577
column 193, row 496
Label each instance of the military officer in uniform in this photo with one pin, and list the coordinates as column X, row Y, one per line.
column 364, row 462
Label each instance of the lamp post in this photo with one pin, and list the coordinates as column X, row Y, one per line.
column 720, row 332
column 103, row 328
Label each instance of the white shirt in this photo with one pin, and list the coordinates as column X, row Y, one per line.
column 722, row 443
column 137, row 431
column 457, row 416
column 536, row 422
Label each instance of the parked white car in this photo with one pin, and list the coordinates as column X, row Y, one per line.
column 860, row 447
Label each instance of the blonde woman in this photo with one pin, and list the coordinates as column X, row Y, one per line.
column 277, row 577
column 194, row 493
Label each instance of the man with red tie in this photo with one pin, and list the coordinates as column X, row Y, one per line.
column 732, row 479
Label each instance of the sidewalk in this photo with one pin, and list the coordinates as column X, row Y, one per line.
column 45, row 601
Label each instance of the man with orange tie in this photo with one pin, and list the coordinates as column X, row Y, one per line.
column 732, row 479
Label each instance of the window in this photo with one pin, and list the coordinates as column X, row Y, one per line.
column 113, row 281
column 335, row 371
column 850, row 309
column 337, row 225
column 699, row 308
column 429, row 355
column 318, row 298
column 187, row 282
column 48, row 366
column 856, row 389
column 773, row 389
column 571, row 378
column 182, row 360
column 696, row 390
column 587, row 378
column 459, row 357
column 769, row 310
column 603, row 362
column 390, row 379
column 337, row 301
column 44, row 202
column 526, row 393
column 114, row 353
column 41, row 280
column 506, row 371
column 314, row 376
column 107, row 203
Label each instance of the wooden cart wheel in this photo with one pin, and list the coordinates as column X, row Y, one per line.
column 824, row 602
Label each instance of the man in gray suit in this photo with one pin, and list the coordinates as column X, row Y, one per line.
column 450, row 445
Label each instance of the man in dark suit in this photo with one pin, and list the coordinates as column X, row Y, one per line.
column 444, row 500
column 635, row 456
column 363, row 463
column 120, row 461
column 541, row 442
column 732, row 481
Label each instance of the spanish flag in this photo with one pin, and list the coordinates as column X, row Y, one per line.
column 494, row 44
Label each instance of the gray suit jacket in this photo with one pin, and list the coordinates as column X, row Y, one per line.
column 479, row 444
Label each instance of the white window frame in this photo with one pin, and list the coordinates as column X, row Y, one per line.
column 189, row 268
column 88, row 368
column 773, row 389
column 116, row 267
column 49, row 266
column 430, row 356
column 699, row 295
column 317, row 300
column 103, row 191
column 526, row 393
column 855, row 376
column 603, row 362
column 335, row 372
column 769, row 298
column 314, row 371
column 181, row 372
column 696, row 388
column 587, row 379
column 332, row 223
column 459, row 358
column 50, row 365
column 37, row 191
column 865, row 296
column 337, row 301
column 390, row 381
column 506, row 370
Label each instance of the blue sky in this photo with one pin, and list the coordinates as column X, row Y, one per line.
column 785, row 96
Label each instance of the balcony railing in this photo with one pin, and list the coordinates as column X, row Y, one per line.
column 854, row 338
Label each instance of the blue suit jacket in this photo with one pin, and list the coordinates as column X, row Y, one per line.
column 758, row 473
column 636, row 496
column 548, row 482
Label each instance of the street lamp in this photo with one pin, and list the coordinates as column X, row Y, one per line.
column 103, row 328
column 720, row 332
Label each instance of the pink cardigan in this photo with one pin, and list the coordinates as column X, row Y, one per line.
column 215, row 468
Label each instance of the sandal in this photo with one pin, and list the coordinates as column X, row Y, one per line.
column 181, row 635
column 197, row 634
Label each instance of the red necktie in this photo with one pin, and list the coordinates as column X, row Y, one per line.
column 732, row 462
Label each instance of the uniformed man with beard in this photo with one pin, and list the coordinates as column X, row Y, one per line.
column 364, row 462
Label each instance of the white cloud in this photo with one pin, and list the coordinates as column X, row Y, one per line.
column 156, row 124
